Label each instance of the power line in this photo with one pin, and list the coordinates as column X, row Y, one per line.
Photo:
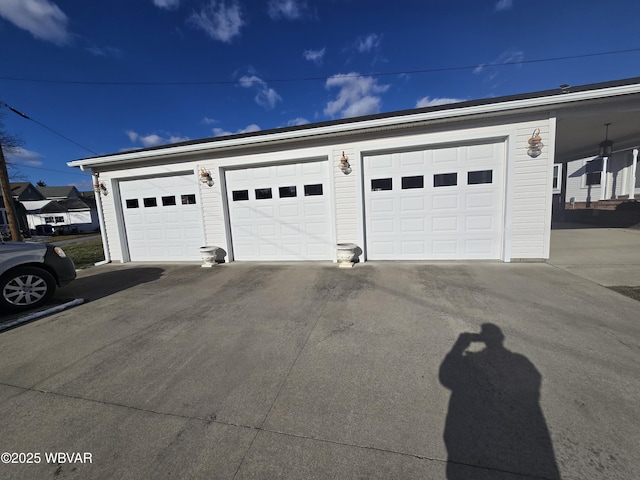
column 17, row 112
column 308, row 79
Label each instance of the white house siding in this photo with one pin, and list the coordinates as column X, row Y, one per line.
column 213, row 207
column 347, row 197
column 529, row 192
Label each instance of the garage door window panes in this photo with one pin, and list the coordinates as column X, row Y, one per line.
column 263, row 193
column 311, row 190
column 168, row 201
column 239, row 195
column 482, row 176
column 445, row 180
column 188, row 199
column 133, row 203
column 379, row 184
column 413, row 182
column 287, row 192
column 150, row 202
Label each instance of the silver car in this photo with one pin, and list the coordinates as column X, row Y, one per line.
column 30, row 273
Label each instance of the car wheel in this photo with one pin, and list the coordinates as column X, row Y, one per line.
column 26, row 287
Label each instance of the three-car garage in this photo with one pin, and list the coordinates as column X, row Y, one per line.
column 467, row 181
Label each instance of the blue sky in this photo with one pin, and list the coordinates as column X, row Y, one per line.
column 115, row 75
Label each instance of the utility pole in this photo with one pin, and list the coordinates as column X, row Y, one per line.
column 9, row 206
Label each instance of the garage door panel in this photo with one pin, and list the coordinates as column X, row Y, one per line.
column 161, row 231
column 444, row 224
column 444, row 247
column 444, row 202
column 380, row 205
column 412, row 218
column 479, row 223
column 412, row 204
column 314, row 209
column 316, row 228
column 479, row 200
column 478, row 247
column 412, row 224
column 293, row 223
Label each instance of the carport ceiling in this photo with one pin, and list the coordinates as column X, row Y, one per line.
column 581, row 127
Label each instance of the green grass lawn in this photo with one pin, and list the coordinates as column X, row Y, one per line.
column 85, row 254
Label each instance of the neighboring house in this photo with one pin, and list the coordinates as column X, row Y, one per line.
column 60, row 193
column 24, row 191
column 22, row 218
column 470, row 180
column 56, row 209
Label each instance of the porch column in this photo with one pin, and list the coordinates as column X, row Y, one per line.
column 632, row 179
column 603, row 179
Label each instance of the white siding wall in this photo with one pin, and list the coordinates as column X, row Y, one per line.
column 347, row 198
column 529, row 193
column 213, row 209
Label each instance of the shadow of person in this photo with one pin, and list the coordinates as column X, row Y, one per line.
column 495, row 426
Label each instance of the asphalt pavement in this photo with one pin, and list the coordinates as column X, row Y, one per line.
column 304, row 370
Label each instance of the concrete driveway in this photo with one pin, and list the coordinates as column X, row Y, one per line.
column 307, row 371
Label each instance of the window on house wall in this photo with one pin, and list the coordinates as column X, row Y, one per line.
column 48, row 219
column 59, row 219
column 593, row 169
column 557, row 177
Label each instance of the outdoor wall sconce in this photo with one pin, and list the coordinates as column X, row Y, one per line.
column 103, row 189
column 535, row 144
column 344, row 165
column 205, row 177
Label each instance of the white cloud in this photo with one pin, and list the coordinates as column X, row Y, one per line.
column 22, row 156
column 297, row 121
column 357, row 95
column 504, row 5
column 209, row 121
column 371, row 41
column 219, row 21
column 266, row 97
column 42, row 18
column 288, row 9
column 105, row 51
column 167, row 4
column 432, row 102
column 219, row 132
column 153, row 139
column 315, row 56
column 510, row 56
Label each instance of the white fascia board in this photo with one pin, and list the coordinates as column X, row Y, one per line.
column 555, row 101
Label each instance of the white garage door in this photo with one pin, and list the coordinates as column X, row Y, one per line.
column 280, row 212
column 444, row 203
column 163, row 218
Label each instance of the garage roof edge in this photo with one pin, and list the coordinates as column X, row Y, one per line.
column 556, row 98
